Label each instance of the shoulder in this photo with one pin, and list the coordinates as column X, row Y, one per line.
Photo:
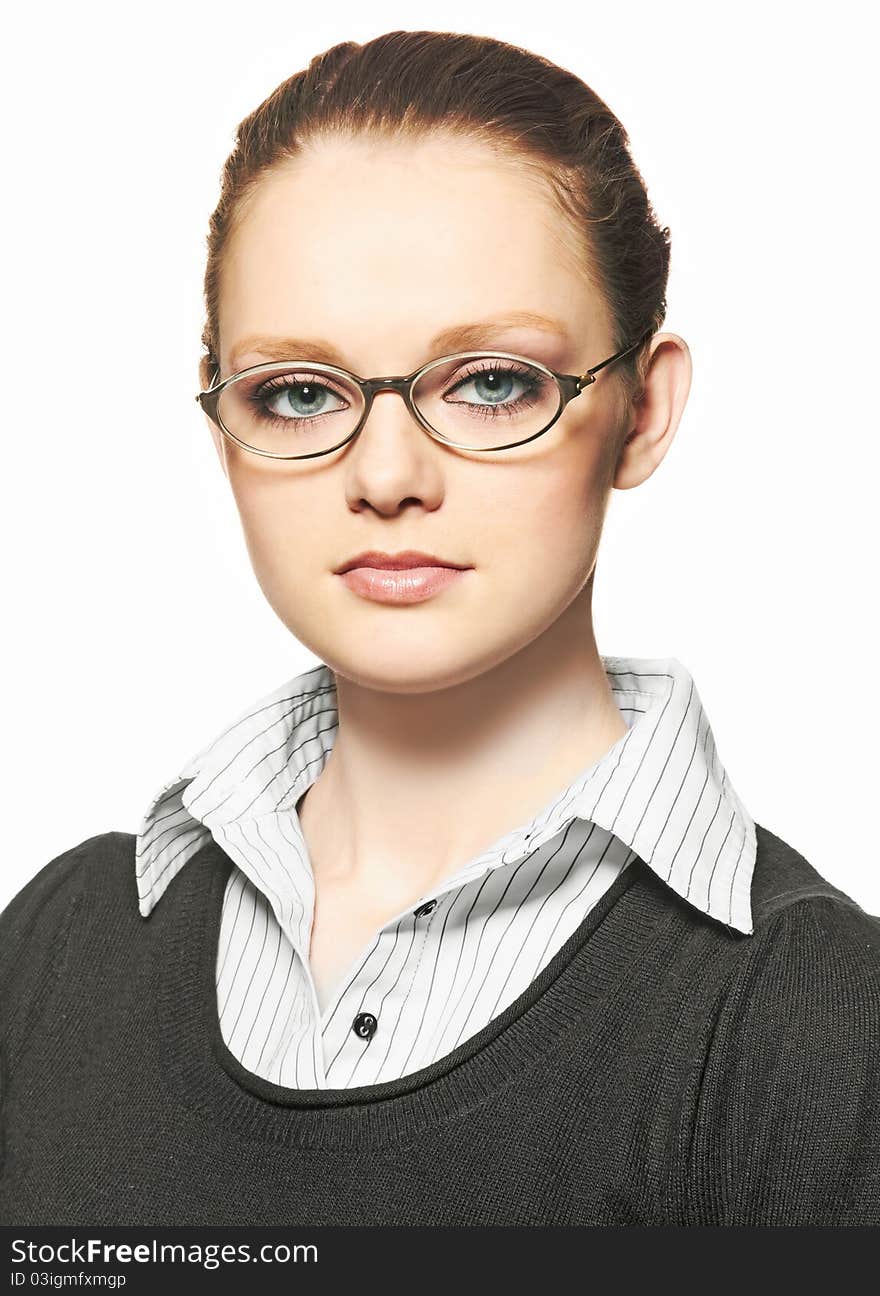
column 783, row 875
column 55, row 885
column 813, row 958
column 812, row 942
column 789, row 1106
column 808, row 977
column 36, row 922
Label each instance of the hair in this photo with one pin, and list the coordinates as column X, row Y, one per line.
column 412, row 83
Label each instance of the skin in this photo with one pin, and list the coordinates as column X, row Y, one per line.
column 489, row 697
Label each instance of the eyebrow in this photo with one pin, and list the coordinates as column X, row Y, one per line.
column 460, row 337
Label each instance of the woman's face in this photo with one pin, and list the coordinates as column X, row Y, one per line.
column 375, row 247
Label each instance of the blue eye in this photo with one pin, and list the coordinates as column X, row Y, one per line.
column 503, row 387
column 297, row 397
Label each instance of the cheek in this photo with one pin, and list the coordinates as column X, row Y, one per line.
column 548, row 527
column 285, row 530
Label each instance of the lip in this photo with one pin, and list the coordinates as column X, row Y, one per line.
column 403, row 561
column 410, row 576
column 402, row 584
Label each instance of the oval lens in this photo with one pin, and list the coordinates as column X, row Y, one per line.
column 291, row 409
column 487, row 401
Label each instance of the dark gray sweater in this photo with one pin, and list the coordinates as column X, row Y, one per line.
column 662, row 1069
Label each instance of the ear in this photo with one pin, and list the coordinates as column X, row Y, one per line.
column 205, row 368
column 657, row 412
column 220, row 443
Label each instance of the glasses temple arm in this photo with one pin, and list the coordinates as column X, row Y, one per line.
column 586, row 378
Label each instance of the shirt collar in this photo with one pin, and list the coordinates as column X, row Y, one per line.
column 661, row 788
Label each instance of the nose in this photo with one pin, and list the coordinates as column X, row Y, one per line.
column 390, row 463
column 375, row 386
column 394, row 383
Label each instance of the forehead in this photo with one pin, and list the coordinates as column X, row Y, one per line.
column 378, row 234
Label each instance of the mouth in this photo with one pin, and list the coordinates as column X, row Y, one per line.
column 407, row 560
column 410, row 577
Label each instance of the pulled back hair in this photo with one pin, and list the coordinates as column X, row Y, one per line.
column 411, row 83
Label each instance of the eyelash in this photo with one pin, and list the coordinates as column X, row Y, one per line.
column 258, row 397
column 500, row 411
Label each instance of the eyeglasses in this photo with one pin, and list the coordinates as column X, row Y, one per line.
column 474, row 400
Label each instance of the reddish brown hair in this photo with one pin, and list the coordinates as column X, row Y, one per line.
column 412, row 82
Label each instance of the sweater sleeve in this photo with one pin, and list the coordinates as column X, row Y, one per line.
column 788, row 1118
column 33, row 933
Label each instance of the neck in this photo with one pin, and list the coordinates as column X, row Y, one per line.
column 417, row 784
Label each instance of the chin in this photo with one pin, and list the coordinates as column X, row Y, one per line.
column 402, row 663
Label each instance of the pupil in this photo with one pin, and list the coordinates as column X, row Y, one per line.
column 490, row 384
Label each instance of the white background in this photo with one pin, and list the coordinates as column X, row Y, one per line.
column 134, row 628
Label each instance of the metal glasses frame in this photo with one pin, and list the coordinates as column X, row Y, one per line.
column 569, row 385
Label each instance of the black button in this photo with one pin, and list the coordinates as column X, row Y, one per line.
column 428, row 907
column 364, row 1025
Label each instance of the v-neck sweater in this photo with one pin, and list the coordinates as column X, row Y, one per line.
column 661, row 1069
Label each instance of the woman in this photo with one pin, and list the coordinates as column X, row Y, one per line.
column 467, row 924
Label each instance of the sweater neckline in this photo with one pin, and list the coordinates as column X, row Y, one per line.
column 566, row 1000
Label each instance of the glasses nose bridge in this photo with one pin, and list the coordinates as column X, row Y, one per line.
column 394, row 383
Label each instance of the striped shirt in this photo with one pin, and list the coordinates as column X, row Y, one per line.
column 441, row 970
